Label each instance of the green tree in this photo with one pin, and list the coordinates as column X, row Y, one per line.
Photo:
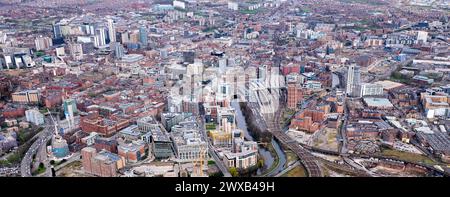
column 260, row 163
column 4, row 125
column 92, row 94
column 397, row 75
column 234, row 172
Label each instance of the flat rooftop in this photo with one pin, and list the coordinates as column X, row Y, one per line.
column 388, row 85
column 130, row 130
column 378, row 102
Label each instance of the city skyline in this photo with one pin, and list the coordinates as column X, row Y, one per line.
column 198, row 88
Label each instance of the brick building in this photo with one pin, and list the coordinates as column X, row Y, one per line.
column 295, row 95
column 133, row 152
column 309, row 121
column 108, row 144
column 103, row 163
column 15, row 112
column 93, row 122
column 30, row 96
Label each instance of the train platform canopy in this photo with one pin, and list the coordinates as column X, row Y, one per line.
column 389, row 85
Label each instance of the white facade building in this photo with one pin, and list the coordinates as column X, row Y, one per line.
column 233, row 5
column 43, row 43
column 60, row 52
column 313, row 85
column 422, row 36
column 34, row 116
column 111, row 31
column 101, row 35
column 369, row 89
column 353, row 80
column 188, row 143
column 244, row 155
column 179, row 4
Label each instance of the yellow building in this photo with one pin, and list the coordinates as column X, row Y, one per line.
column 435, row 103
column 30, row 96
column 220, row 138
column 134, row 37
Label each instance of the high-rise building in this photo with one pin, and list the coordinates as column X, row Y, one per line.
column 353, row 80
column 111, row 31
column 244, row 154
column 134, row 36
column 124, row 37
column 57, row 33
column 87, row 29
column 70, row 108
column 95, row 40
column 295, row 95
column 43, row 43
column 143, row 36
column 118, row 50
column 101, row 33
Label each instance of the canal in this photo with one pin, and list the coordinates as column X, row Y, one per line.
column 264, row 153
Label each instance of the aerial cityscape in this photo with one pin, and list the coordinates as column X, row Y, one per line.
column 224, row 88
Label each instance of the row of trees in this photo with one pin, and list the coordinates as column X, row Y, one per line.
column 254, row 128
column 236, row 172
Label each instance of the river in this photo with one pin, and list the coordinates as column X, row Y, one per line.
column 264, row 153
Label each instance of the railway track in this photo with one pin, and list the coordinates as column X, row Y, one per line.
column 308, row 160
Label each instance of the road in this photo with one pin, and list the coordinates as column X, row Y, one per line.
column 74, row 157
column 43, row 137
column 212, row 152
column 342, row 130
column 290, row 167
column 281, row 160
column 9, row 171
column 42, row 157
column 219, row 162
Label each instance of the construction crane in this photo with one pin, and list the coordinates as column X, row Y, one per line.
column 55, row 124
